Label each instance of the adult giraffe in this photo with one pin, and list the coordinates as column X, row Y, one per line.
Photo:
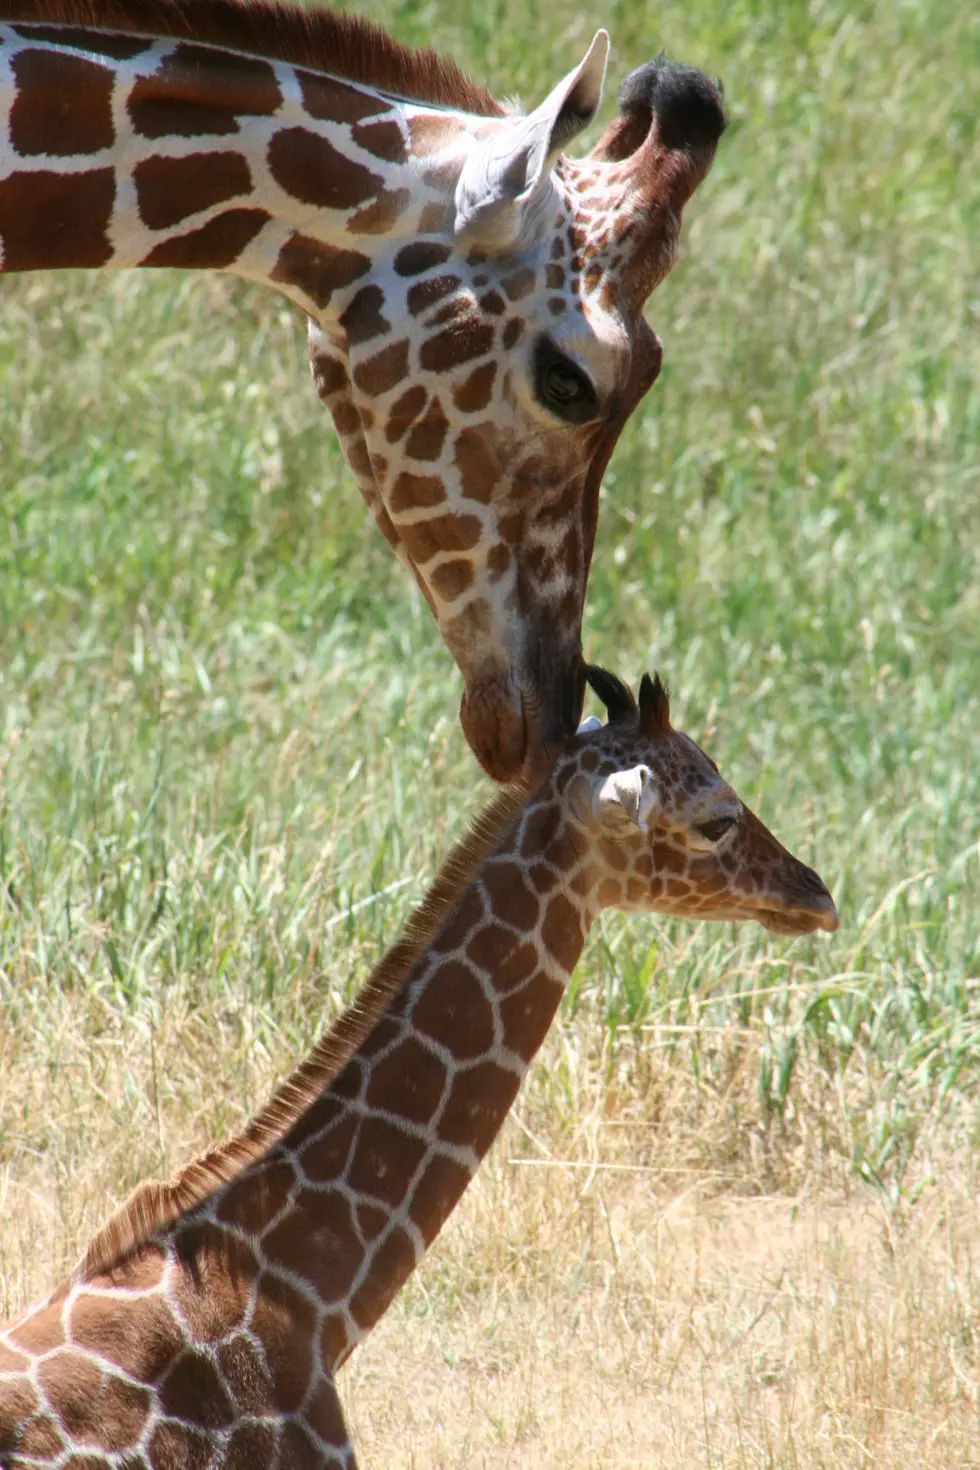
column 474, row 296
column 205, row 1324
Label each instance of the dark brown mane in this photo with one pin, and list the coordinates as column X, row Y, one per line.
column 157, row 1204
column 323, row 39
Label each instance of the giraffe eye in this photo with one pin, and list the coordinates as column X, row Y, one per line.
column 562, row 386
column 715, row 830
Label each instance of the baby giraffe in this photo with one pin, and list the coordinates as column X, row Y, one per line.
column 206, row 1322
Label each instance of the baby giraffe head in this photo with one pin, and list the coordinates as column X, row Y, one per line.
column 664, row 831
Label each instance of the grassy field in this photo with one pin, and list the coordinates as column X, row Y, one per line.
column 733, row 1221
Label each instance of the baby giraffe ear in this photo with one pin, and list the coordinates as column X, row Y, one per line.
column 626, row 796
column 504, row 182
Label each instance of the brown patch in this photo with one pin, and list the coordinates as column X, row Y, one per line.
column 313, row 171
column 540, row 828
column 562, row 931
column 554, row 277
column 11, row 1362
column 509, row 897
column 93, row 1407
column 252, row 1200
column 120, row 48
column 557, row 306
column 318, row 1239
column 520, row 283
column 557, row 248
column 136, row 1333
column 245, row 1376
column 474, row 392
column 415, row 492
column 384, row 371
column 334, row 1339
column 318, row 269
column 325, row 1416
column 513, row 332
column 285, row 1322
column 449, row 532
column 251, row 1447
column 498, row 561
column 63, row 105
column 384, row 1161
column 380, row 216
column 668, row 859
column 459, row 343
column 215, row 246
column 371, row 1220
column 432, row 134
column 517, row 967
column 18, row 1400
column 40, row 1438
column 324, row 1156
column 56, row 220
column 196, row 92
column 363, row 318
column 329, row 100
column 610, row 893
column 421, row 256
column 329, row 374
column 543, row 878
column 432, row 220
column 393, row 1263
column 404, row 411
column 425, row 293
column 173, row 1445
column 346, row 418
column 466, row 916
column 213, row 1287
column 408, row 1082
column 493, row 303
column 436, row 1194
column 429, row 434
column 40, row 1332
column 528, row 1014
column 451, row 580
column 297, row 1448
column 168, row 190
column 454, row 1011
column 478, row 1105
column 193, row 1391
column 383, row 139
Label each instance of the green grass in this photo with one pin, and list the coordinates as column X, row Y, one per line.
column 230, row 755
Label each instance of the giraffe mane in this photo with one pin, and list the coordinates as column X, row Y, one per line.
column 158, row 1204
column 348, row 46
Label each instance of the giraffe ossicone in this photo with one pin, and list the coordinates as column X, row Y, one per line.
column 474, row 295
column 206, row 1322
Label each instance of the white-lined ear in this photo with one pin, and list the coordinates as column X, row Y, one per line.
column 626, row 795
column 508, row 174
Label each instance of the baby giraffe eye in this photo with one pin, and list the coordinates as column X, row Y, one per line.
column 715, row 829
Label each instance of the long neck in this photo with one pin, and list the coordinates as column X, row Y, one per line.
column 362, row 1183
column 122, row 150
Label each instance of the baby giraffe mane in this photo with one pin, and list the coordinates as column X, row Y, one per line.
column 157, row 1204
column 326, row 40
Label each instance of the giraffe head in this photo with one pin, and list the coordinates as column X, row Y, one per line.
column 482, row 374
column 664, row 831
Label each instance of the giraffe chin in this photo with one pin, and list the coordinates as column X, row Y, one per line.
column 494, row 722
column 799, row 921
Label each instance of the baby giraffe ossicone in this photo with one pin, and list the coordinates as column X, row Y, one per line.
column 205, row 1323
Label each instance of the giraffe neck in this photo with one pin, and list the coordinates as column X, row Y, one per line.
column 124, row 150
column 354, row 1193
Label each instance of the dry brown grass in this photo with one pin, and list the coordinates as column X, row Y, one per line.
column 644, row 1272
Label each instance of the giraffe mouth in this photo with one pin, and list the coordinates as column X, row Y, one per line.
column 820, row 913
column 494, row 721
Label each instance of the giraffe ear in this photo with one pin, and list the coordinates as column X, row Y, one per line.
column 504, row 182
column 626, row 796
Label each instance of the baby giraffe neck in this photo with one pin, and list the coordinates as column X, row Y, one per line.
column 365, row 1179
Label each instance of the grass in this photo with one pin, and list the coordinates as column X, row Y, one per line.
column 229, row 759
